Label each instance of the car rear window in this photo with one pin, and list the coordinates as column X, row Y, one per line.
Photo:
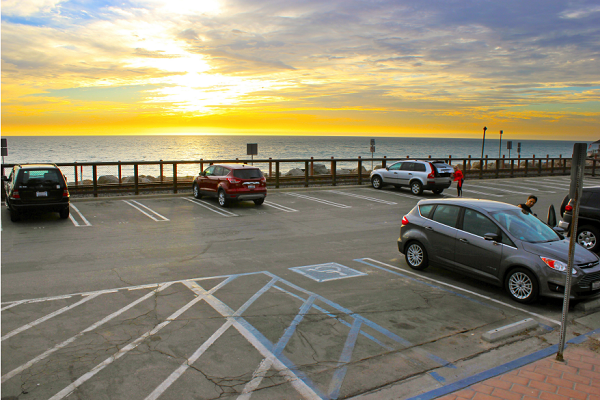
column 37, row 176
column 247, row 173
column 446, row 215
column 425, row 210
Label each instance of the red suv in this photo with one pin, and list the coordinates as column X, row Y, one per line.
column 231, row 182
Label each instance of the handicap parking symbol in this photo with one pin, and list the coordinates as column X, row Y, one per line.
column 327, row 272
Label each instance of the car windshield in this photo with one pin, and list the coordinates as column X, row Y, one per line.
column 525, row 226
column 247, row 173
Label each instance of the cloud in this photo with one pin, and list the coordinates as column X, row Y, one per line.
column 25, row 8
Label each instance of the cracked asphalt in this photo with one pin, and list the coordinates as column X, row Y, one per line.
column 206, row 307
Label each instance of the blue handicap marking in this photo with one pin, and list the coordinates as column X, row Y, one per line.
column 327, row 272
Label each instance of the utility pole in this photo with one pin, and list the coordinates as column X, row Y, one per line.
column 483, row 143
column 500, row 146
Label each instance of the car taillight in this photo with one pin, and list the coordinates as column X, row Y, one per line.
column 16, row 195
column 404, row 221
column 263, row 181
column 432, row 173
column 65, row 193
column 569, row 207
column 234, row 181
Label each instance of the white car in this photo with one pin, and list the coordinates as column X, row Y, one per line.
column 416, row 174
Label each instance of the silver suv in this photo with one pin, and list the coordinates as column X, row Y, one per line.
column 418, row 175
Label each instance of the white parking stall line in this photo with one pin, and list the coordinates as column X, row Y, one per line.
column 145, row 213
column 521, row 187
column 279, row 207
column 327, row 202
column 358, row 196
column 87, row 223
column 484, row 193
column 421, row 276
column 47, row 317
column 545, row 182
column 92, row 327
column 495, row 188
column 395, row 194
column 224, row 213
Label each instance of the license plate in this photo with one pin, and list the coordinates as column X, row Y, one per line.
column 250, row 186
column 595, row 285
column 41, row 194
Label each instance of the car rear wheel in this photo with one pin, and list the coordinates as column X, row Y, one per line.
column 258, row 202
column 376, row 182
column 64, row 213
column 522, row 285
column 223, row 202
column 437, row 191
column 416, row 256
column 588, row 237
column 416, row 188
column 14, row 216
column 196, row 191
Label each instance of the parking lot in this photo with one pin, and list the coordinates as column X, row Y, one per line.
column 303, row 297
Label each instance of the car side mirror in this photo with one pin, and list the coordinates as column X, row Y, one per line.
column 387, row 168
column 493, row 237
column 551, row 216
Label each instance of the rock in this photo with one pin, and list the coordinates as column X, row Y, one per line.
column 476, row 165
column 295, row 172
column 364, row 171
column 343, row 171
column 320, row 169
column 104, row 179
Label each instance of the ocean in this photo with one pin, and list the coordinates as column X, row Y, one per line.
column 66, row 149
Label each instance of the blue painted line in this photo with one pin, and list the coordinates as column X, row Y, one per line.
column 509, row 366
column 256, row 295
column 340, row 373
column 289, row 364
column 283, row 341
column 360, row 260
column 324, row 311
column 437, row 377
column 546, row 327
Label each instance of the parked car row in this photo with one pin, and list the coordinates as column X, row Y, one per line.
column 415, row 174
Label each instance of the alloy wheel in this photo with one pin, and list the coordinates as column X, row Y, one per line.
column 587, row 239
column 415, row 255
column 520, row 285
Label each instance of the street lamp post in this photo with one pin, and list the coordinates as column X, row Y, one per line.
column 500, row 147
column 483, row 143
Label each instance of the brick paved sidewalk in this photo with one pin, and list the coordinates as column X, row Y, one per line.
column 576, row 378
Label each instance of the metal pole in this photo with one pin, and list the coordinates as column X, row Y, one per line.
column 500, row 146
column 483, row 143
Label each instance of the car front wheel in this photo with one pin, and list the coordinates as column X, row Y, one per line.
column 588, row 236
column 223, row 202
column 196, row 191
column 377, row 182
column 416, row 188
column 416, row 256
column 522, row 285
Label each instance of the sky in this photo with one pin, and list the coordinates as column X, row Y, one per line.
column 311, row 67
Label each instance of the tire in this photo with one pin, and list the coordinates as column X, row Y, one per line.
column 522, row 286
column 416, row 256
column 376, row 182
column 64, row 213
column 223, row 202
column 196, row 191
column 437, row 191
column 14, row 216
column 416, row 188
column 259, row 202
column 588, row 236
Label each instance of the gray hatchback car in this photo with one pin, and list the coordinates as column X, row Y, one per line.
column 498, row 243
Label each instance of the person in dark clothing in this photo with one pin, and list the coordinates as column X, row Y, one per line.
column 531, row 200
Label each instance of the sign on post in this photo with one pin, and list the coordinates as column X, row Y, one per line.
column 509, row 147
column 4, row 148
column 577, row 169
column 252, row 150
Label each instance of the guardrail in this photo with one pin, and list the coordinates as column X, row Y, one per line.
column 135, row 177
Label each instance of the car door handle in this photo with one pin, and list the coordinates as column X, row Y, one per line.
column 464, row 240
column 409, row 173
column 429, row 228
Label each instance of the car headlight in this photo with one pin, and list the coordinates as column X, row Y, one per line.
column 556, row 265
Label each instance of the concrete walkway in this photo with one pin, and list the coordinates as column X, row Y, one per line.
column 578, row 377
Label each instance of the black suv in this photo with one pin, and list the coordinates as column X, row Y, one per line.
column 588, row 226
column 36, row 187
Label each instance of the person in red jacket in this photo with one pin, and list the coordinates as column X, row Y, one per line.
column 459, row 178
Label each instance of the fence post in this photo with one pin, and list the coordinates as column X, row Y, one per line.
column 481, row 168
column 526, row 166
column 359, row 170
column 384, row 162
column 277, row 174
column 540, row 167
column 161, row 171
column 486, row 163
column 465, row 166
column 512, row 167
column 120, row 174
column 594, row 167
column 333, row 172
column 497, row 168
column 95, row 179
column 305, row 173
column 174, row 177
column 270, row 168
column 312, row 167
column 201, row 165
column 76, row 177
column 564, row 165
column 135, row 179
column 469, row 163
column 552, row 166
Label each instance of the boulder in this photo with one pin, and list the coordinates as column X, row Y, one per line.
column 343, row 171
column 320, row 169
column 476, row 165
column 295, row 172
column 104, row 179
column 364, row 171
